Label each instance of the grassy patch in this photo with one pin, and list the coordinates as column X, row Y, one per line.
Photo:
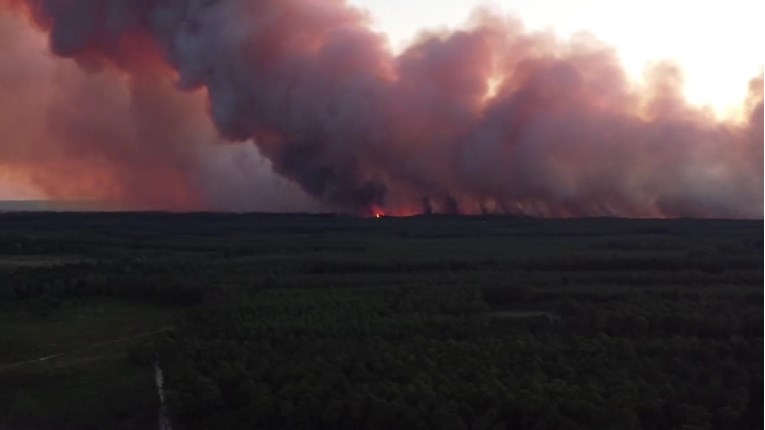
column 84, row 379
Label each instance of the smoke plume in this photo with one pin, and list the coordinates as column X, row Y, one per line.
column 144, row 100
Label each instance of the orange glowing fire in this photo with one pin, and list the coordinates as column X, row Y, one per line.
column 378, row 214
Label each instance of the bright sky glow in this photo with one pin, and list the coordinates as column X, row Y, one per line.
column 718, row 44
column 11, row 189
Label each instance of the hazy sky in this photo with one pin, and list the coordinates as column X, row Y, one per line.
column 718, row 43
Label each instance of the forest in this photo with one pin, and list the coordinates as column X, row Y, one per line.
column 277, row 321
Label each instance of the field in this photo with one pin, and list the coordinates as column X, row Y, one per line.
column 334, row 322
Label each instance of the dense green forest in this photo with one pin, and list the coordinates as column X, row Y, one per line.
column 335, row 322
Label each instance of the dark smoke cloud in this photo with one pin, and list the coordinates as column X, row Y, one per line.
column 126, row 140
column 487, row 119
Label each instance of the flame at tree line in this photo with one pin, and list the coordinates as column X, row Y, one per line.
column 172, row 104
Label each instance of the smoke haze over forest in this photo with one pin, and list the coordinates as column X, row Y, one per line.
column 299, row 105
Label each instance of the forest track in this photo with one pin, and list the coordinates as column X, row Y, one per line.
column 10, row 366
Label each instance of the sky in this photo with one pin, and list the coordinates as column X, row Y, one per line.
column 712, row 41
